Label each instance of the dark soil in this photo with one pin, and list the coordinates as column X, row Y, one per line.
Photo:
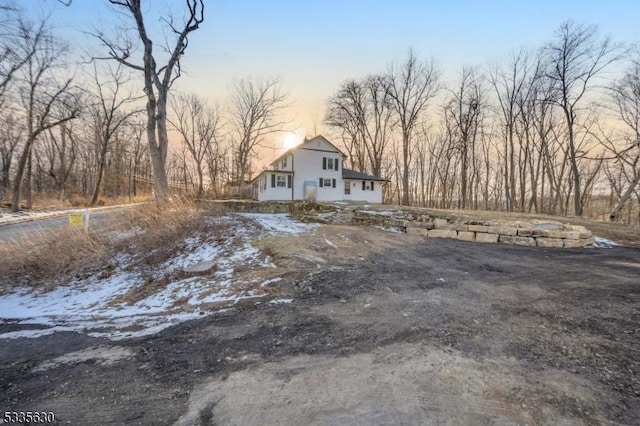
column 546, row 316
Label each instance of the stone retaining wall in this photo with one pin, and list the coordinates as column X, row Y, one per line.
column 533, row 233
column 248, row 206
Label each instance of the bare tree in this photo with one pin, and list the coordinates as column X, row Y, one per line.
column 12, row 53
column 256, row 111
column 199, row 127
column 157, row 79
column 410, row 87
column 575, row 59
column 108, row 115
column 11, row 133
column 512, row 86
column 626, row 97
column 62, row 154
column 464, row 111
column 46, row 102
column 362, row 110
column 345, row 111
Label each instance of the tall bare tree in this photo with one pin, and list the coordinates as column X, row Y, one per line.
column 363, row 110
column 158, row 79
column 46, row 101
column 576, row 57
column 62, row 153
column 626, row 98
column 410, row 87
column 11, row 133
column 111, row 111
column 463, row 112
column 199, row 127
column 256, row 111
column 512, row 85
column 345, row 111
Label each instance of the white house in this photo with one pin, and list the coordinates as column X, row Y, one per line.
column 313, row 171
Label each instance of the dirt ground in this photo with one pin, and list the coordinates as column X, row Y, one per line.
column 384, row 328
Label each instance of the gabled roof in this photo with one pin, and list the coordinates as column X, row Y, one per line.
column 352, row 174
column 306, row 143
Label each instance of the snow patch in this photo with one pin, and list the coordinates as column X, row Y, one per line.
column 377, row 212
column 102, row 355
column 329, row 243
column 270, row 281
column 125, row 305
column 279, row 223
column 394, row 230
column 280, row 301
column 604, row 243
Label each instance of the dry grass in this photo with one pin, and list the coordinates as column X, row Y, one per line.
column 47, row 257
column 150, row 234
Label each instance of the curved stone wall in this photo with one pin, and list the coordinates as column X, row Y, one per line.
column 533, row 233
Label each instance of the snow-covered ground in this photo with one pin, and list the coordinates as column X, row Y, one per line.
column 119, row 306
column 278, row 223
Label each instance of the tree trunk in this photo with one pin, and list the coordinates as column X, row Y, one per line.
column 17, row 182
column 577, row 196
column 405, row 171
column 29, row 189
column 613, row 216
column 101, row 164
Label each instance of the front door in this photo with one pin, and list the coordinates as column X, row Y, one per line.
column 347, row 190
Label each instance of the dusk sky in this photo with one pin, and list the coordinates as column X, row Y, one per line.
column 314, row 46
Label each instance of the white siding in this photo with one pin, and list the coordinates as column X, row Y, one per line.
column 308, row 166
column 272, row 194
column 357, row 194
column 284, row 166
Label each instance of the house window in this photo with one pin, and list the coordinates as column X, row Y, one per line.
column 327, row 183
column 329, row 163
column 347, row 188
column 281, row 181
column 264, row 183
column 284, row 162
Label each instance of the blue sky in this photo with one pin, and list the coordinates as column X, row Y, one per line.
column 315, row 45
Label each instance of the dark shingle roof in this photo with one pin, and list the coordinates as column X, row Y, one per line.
column 352, row 174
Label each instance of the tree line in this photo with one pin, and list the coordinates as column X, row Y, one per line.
column 551, row 130
column 84, row 128
column 547, row 131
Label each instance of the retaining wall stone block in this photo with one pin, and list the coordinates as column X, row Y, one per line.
column 477, row 228
column 502, row 230
column 466, row 235
column 484, row 237
column 442, row 233
column 549, row 242
column 417, row 231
